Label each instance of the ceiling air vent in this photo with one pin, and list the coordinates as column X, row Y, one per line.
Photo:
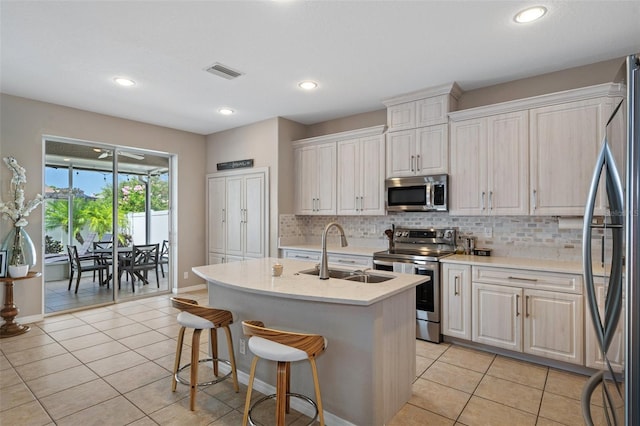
column 223, row 71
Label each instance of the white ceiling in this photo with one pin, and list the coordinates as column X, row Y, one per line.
column 360, row 52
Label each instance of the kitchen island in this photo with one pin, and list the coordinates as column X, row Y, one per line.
column 368, row 368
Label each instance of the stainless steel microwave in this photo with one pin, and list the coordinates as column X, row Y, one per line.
column 417, row 193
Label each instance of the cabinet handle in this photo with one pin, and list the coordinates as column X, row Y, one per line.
column 535, row 199
column 413, row 158
column 224, row 215
column 455, row 286
column 346, row 261
column 517, row 305
column 418, row 163
column 361, row 203
column 318, row 204
column 482, row 201
column 526, row 306
column 298, row 256
column 523, row 279
column 490, row 200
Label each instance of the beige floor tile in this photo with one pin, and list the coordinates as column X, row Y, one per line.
column 170, row 310
column 453, row 376
column 524, row 398
column 113, row 323
column 99, row 315
column 9, row 377
column 517, row 371
column 146, row 316
column 422, row 364
column 430, row 350
column 113, row 364
column 103, row 350
column 162, row 321
column 30, row 414
column 156, row 395
column 147, row 421
column 130, row 308
column 117, row 410
column 136, row 377
column 410, row 415
column 46, row 366
column 265, row 414
column 56, row 382
column 70, row 333
column 4, row 362
column 546, row 422
column 15, row 395
column 126, row 331
column 565, row 383
column 440, row 399
column 207, row 410
column 170, row 331
column 482, row 412
column 225, row 392
column 143, row 339
column 85, row 341
column 62, row 325
column 233, row 418
column 468, row 358
column 158, row 349
column 35, row 354
column 55, row 318
column 561, row 409
column 23, row 343
column 74, row 399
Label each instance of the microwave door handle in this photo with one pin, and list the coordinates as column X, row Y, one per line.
column 429, row 194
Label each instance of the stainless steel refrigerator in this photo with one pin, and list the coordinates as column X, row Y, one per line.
column 612, row 396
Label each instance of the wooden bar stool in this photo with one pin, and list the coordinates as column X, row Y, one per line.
column 202, row 318
column 284, row 347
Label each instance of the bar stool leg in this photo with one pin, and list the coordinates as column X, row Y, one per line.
column 213, row 339
column 176, row 365
column 195, row 355
column 232, row 359
column 247, row 404
column 281, row 392
column 316, row 385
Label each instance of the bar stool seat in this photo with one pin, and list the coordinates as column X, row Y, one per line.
column 283, row 347
column 201, row 318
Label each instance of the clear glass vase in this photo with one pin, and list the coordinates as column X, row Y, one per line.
column 19, row 247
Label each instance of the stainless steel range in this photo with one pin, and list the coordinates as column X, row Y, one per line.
column 418, row 251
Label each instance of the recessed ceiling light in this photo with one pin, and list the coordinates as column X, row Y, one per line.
column 530, row 14
column 123, row 81
column 308, row 85
column 226, row 111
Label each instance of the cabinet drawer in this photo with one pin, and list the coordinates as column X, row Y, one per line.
column 347, row 260
column 525, row 278
column 311, row 256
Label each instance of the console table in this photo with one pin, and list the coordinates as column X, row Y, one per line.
column 10, row 311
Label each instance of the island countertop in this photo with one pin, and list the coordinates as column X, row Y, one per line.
column 254, row 276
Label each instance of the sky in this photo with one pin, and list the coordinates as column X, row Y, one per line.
column 89, row 181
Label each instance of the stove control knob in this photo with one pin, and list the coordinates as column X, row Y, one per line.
column 448, row 235
column 405, row 234
column 398, row 233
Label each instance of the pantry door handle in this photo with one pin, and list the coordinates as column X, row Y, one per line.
column 526, row 306
column 517, row 305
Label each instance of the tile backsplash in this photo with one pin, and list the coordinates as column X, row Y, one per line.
column 513, row 236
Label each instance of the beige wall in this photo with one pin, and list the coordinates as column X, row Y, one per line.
column 352, row 122
column 24, row 121
column 287, row 131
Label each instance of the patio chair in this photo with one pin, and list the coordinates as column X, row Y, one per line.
column 164, row 256
column 82, row 264
column 142, row 259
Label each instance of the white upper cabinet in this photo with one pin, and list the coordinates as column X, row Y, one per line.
column 361, row 176
column 401, row 117
column 423, row 151
column 489, row 164
column 340, row 173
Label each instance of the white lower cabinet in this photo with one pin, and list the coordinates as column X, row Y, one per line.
column 538, row 313
column 456, row 301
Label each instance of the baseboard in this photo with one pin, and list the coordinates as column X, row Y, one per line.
column 29, row 319
column 267, row 389
column 189, row 289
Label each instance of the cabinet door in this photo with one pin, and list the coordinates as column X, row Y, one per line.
column 254, row 219
column 372, row 161
column 497, row 316
column 432, row 111
column 432, row 156
column 216, row 258
column 553, row 325
column 508, row 164
column 456, row 301
column 325, row 179
column 401, row 153
column 468, row 177
column 564, row 143
column 235, row 215
column 401, row 117
column 216, row 220
column 616, row 351
column 349, row 174
column 306, row 191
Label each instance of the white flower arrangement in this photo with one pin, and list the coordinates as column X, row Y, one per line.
column 17, row 210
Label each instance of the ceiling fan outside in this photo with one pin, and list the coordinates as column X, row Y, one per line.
column 108, row 153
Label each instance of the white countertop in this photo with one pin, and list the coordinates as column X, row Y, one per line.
column 520, row 263
column 254, row 276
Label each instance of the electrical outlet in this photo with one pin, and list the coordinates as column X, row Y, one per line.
column 488, row 232
column 243, row 346
column 185, row 276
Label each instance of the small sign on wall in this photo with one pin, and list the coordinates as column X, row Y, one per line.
column 239, row 164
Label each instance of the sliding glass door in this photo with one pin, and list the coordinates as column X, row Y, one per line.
column 90, row 258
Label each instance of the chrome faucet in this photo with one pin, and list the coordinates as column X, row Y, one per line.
column 324, row 264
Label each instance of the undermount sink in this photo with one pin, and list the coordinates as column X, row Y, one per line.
column 358, row 276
